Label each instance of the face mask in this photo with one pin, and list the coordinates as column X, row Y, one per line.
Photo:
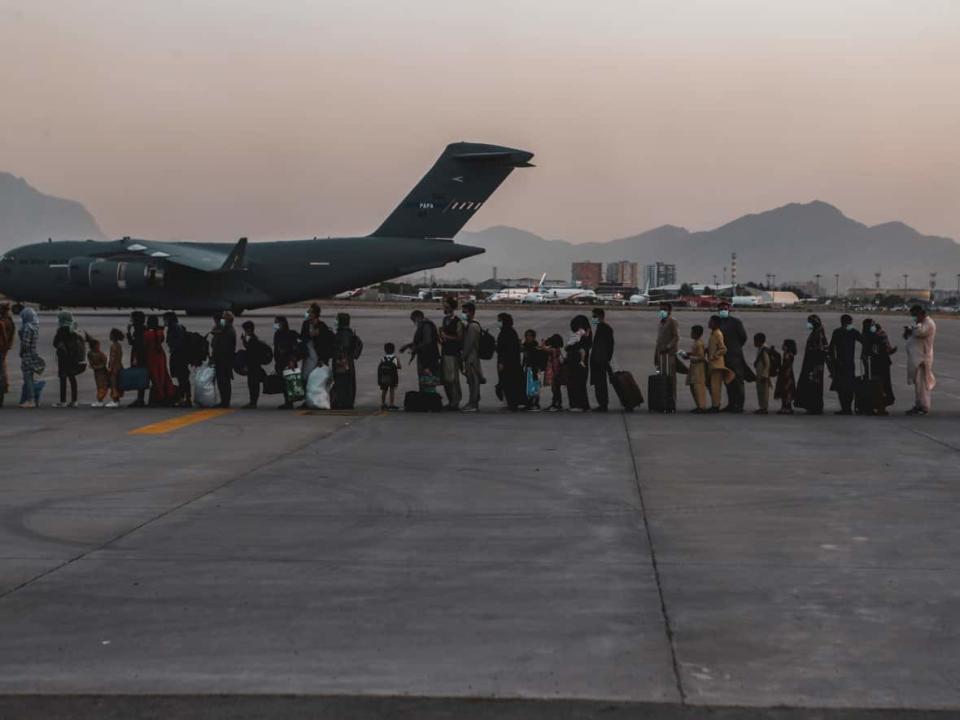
column 809, row 326
column 724, row 314
column 581, row 332
column 849, row 327
column 306, row 315
column 663, row 314
column 463, row 316
column 223, row 323
column 276, row 326
column 595, row 321
column 873, row 328
column 499, row 324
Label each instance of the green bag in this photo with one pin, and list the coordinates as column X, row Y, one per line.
column 293, row 389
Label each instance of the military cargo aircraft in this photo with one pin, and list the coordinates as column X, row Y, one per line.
column 210, row 277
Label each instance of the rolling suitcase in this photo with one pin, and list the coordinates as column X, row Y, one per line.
column 868, row 395
column 418, row 401
column 627, row 390
column 661, row 390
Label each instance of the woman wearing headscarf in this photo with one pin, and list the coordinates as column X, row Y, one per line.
column 138, row 352
column 510, row 376
column 31, row 364
column 162, row 389
column 70, row 352
column 576, row 363
column 8, row 331
column 810, row 383
column 346, row 349
column 876, row 359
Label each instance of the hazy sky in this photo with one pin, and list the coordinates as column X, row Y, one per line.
column 213, row 119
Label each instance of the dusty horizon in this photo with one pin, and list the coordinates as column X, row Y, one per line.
column 238, row 118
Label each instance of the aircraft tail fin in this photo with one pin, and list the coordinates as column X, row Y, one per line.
column 457, row 185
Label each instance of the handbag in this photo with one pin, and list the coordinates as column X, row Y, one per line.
column 133, row 378
column 272, row 385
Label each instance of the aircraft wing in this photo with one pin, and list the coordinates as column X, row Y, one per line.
column 197, row 257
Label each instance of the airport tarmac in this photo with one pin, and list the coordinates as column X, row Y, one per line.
column 161, row 563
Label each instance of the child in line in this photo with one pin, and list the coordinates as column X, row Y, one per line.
column 553, row 375
column 786, row 387
column 97, row 361
column 697, row 372
column 532, row 364
column 761, row 367
column 388, row 376
column 114, row 366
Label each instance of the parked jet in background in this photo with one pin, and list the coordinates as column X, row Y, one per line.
column 516, row 294
column 554, row 294
column 210, row 277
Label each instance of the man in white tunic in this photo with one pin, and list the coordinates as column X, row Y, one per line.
column 920, row 359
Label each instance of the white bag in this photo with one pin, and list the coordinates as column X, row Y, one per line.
column 205, row 386
column 318, row 388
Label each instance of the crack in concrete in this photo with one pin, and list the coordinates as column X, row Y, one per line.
column 668, row 628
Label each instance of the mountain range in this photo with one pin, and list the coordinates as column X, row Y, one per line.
column 795, row 242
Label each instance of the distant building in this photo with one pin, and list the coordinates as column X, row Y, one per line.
column 659, row 274
column 587, row 274
column 622, row 272
column 906, row 294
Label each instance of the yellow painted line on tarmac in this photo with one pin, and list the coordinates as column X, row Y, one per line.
column 181, row 421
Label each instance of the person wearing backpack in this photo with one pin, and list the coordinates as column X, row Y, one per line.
column 424, row 348
column 762, row 369
column 510, row 377
column 31, row 364
column 471, row 357
column 224, row 347
column 69, row 346
column 347, row 348
column 258, row 355
column 388, row 377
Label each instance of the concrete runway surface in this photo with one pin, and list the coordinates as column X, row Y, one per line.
column 494, row 565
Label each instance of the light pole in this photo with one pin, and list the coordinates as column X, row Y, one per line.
column 818, row 276
column 904, row 281
column 958, row 288
column 774, row 279
column 836, row 276
column 933, row 285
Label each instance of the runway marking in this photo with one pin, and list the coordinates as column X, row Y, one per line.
column 344, row 413
column 165, row 426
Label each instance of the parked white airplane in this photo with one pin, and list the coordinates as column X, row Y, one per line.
column 745, row 300
column 516, row 294
column 552, row 295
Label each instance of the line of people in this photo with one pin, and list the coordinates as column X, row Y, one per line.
column 457, row 349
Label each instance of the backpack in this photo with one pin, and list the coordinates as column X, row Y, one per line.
column 259, row 352
column 196, row 348
column 78, row 352
column 488, row 345
column 387, row 375
column 776, row 361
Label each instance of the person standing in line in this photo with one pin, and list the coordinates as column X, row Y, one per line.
column 286, row 344
column 69, row 346
column 162, row 390
column 8, row 331
column 761, row 368
column 347, row 347
column 258, row 355
column 424, row 348
column 451, row 347
column 716, row 362
column 223, row 348
column 842, row 361
column 114, row 366
column 138, row 351
column 786, row 387
column 534, row 362
column 668, row 341
column 509, row 366
column 875, row 357
column 553, row 375
column 577, row 364
column 697, row 370
column 471, row 357
column 810, row 384
column 316, row 340
column 97, row 360
column 920, row 337
column 388, row 377
column 31, row 364
column 601, row 358
column 179, row 360
column 734, row 337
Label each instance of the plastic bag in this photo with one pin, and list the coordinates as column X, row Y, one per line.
column 204, row 383
column 318, row 388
